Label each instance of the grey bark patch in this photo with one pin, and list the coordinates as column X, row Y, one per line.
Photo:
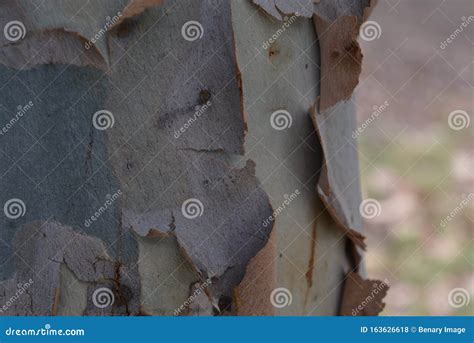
column 64, row 175
column 55, row 47
column 41, row 247
column 161, row 171
column 230, row 230
column 168, row 91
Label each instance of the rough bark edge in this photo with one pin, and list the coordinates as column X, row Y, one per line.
column 341, row 56
column 362, row 297
column 341, row 59
column 136, row 7
column 63, row 39
column 325, row 191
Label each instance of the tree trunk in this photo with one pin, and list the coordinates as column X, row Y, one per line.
column 180, row 158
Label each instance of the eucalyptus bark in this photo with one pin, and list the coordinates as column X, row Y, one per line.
column 181, row 157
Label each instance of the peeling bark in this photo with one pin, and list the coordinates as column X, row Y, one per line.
column 144, row 249
column 362, row 297
column 338, row 185
column 337, row 24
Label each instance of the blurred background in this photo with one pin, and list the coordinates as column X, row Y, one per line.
column 415, row 107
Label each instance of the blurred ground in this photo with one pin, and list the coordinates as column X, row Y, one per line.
column 413, row 162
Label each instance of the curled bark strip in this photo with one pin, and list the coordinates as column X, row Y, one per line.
column 362, row 297
column 337, row 24
column 338, row 185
